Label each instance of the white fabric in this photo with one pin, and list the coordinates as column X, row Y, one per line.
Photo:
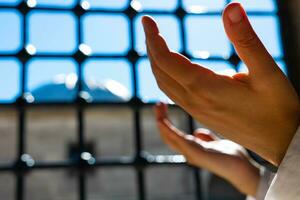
column 286, row 183
column 264, row 184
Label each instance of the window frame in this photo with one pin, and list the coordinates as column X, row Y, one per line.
column 24, row 163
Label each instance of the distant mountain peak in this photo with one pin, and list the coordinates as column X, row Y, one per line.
column 63, row 89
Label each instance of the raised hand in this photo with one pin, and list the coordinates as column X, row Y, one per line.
column 205, row 150
column 259, row 110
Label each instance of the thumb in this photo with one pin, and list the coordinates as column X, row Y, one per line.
column 246, row 42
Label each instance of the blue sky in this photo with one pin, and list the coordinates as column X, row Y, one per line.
column 54, row 32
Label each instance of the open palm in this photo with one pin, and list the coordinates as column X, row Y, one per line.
column 259, row 110
column 205, row 150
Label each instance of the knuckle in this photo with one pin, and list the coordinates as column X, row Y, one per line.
column 190, row 102
column 160, row 85
column 199, row 82
column 155, row 71
column 193, row 86
column 205, row 96
column 215, row 104
column 249, row 40
column 205, row 99
column 210, row 106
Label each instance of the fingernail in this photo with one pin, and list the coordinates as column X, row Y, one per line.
column 235, row 14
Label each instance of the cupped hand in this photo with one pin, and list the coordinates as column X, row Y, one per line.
column 259, row 110
column 204, row 150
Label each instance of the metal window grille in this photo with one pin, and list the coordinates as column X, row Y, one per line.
column 141, row 160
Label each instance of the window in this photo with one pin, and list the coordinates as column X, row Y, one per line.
column 11, row 32
column 78, row 89
column 113, row 40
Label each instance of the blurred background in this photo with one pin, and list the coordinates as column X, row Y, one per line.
column 76, row 94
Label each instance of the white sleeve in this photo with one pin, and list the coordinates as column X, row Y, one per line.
column 286, row 183
column 266, row 178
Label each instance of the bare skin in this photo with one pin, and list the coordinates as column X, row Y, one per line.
column 259, row 110
column 204, row 150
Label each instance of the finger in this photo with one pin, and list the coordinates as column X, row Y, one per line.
column 246, row 42
column 161, row 111
column 166, row 83
column 170, row 131
column 221, row 86
column 172, row 136
column 175, row 65
column 165, row 126
column 172, row 92
column 204, row 134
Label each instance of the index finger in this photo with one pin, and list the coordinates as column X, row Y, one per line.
column 175, row 65
column 161, row 111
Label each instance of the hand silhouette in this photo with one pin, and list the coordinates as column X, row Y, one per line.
column 204, row 150
column 258, row 110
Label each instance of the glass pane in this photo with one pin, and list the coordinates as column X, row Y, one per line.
column 199, row 6
column 144, row 5
column 169, row 28
column 219, row 67
column 7, row 186
column 258, row 5
column 11, row 30
column 9, row 2
column 267, row 28
column 52, row 32
column 10, row 77
column 206, row 36
column 55, row 3
column 108, row 80
column 107, row 4
column 148, row 89
column 112, row 183
column 52, row 79
column 50, row 132
column 106, row 34
column 110, row 130
column 167, row 183
column 152, row 141
column 48, row 185
column 8, row 130
column 243, row 68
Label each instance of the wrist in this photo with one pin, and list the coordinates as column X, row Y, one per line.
column 284, row 140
